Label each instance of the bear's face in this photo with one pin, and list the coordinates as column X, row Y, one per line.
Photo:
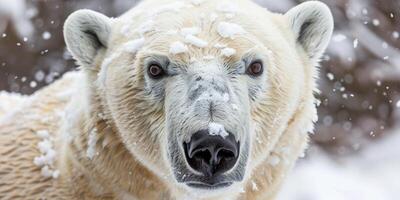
column 201, row 93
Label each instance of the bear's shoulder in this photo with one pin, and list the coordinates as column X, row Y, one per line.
column 30, row 150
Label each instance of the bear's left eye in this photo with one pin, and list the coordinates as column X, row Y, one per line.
column 155, row 71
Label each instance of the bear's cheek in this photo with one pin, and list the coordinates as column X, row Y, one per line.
column 139, row 123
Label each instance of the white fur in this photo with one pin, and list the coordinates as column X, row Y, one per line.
column 143, row 122
column 86, row 32
column 312, row 24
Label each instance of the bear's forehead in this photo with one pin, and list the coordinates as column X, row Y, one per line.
column 205, row 28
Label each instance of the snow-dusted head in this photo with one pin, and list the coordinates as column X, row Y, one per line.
column 201, row 91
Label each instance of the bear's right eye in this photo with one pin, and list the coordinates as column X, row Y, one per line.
column 255, row 69
column 155, row 71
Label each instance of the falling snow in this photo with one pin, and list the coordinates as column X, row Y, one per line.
column 376, row 22
column 363, row 50
column 355, row 43
column 395, row 35
column 46, row 35
column 330, row 76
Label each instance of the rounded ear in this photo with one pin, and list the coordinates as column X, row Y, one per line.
column 85, row 33
column 312, row 24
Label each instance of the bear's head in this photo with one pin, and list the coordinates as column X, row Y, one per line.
column 200, row 92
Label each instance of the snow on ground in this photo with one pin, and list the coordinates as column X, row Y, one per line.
column 372, row 174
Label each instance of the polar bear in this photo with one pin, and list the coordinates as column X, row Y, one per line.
column 196, row 99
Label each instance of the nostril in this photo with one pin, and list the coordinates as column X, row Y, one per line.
column 211, row 154
column 203, row 155
column 226, row 154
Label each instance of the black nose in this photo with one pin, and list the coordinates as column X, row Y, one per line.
column 211, row 154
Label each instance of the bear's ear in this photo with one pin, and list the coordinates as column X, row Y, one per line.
column 312, row 24
column 85, row 33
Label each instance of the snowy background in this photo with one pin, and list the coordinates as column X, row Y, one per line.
column 355, row 152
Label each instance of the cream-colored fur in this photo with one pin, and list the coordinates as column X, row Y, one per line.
column 111, row 132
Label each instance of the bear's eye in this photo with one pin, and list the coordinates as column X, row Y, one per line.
column 155, row 71
column 255, row 69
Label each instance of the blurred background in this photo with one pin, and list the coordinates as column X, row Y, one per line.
column 355, row 151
